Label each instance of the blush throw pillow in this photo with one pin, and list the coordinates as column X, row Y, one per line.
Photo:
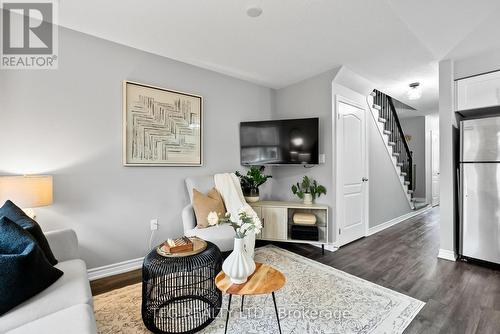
column 17, row 215
column 204, row 204
column 24, row 269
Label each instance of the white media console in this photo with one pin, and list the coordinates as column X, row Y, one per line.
column 277, row 220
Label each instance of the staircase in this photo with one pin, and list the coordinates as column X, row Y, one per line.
column 387, row 120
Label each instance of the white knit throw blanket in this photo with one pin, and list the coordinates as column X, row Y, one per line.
column 228, row 185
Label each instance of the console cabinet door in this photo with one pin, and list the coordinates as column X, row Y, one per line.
column 275, row 223
column 258, row 211
column 478, row 92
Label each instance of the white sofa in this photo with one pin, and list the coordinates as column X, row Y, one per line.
column 65, row 306
column 222, row 236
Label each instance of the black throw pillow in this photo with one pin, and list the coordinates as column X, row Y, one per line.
column 24, row 269
column 17, row 215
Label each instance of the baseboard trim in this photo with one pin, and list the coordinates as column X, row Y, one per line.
column 114, row 269
column 397, row 220
column 447, row 255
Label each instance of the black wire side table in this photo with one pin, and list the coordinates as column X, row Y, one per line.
column 179, row 293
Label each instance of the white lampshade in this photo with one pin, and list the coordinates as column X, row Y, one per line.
column 26, row 191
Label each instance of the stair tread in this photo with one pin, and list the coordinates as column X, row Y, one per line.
column 391, row 143
column 376, row 106
column 382, row 120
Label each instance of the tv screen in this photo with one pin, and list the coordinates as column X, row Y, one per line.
column 281, row 142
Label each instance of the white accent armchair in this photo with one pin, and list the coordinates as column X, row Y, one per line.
column 222, row 235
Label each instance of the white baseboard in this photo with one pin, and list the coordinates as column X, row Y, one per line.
column 114, row 269
column 447, row 255
column 392, row 222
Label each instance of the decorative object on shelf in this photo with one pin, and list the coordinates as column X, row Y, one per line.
column 251, row 182
column 161, row 127
column 304, row 218
column 239, row 264
column 178, row 245
column 199, row 245
column 28, row 191
column 308, row 190
column 305, row 232
column 179, row 294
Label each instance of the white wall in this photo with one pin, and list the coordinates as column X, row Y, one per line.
column 68, row 123
column 415, row 127
column 447, row 147
column 431, row 127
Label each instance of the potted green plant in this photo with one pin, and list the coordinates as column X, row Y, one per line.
column 251, row 182
column 308, row 190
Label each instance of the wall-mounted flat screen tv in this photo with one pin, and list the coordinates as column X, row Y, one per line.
column 280, row 142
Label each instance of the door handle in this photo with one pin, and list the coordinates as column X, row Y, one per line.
column 364, row 179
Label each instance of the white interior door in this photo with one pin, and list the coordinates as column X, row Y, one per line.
column 352, row 176
column 435, row 167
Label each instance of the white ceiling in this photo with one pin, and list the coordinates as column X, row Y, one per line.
column 390, row 42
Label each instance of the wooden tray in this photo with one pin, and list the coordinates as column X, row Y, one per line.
column 199, row 245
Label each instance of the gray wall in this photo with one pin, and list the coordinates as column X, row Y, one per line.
column 68, row 123
column 309, row 98
column 313, row 97
column 415, row 127
column 387, row 198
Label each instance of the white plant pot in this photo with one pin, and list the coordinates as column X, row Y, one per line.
column 308, row 199
column 252, row 199
column 239, row 264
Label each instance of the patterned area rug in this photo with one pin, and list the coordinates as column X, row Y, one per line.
column 316, row 299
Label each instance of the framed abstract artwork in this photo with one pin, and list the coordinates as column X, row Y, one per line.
column 161, row 127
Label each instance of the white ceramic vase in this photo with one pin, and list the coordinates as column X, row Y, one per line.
column 238, row 265
column 308, row 199
column 249, row 242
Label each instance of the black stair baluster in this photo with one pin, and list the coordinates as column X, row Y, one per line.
column 389, row 112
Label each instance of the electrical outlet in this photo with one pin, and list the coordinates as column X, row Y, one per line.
column 322, row 158
column 153, row 224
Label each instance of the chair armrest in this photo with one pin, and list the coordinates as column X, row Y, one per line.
column 188, row 218
column 64, row 244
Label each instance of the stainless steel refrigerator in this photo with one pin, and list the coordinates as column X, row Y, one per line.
column 480, row 189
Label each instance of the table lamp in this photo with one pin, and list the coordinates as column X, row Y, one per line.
column 27, row 192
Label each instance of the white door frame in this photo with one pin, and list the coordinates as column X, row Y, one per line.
column 337, row 99
column 433, row 148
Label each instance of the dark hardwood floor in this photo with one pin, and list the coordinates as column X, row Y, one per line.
column 460, row 297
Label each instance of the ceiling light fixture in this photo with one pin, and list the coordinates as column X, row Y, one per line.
column 415, row 91
column 254, row 11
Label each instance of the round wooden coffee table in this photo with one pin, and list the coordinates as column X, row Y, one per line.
column 264, row 280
